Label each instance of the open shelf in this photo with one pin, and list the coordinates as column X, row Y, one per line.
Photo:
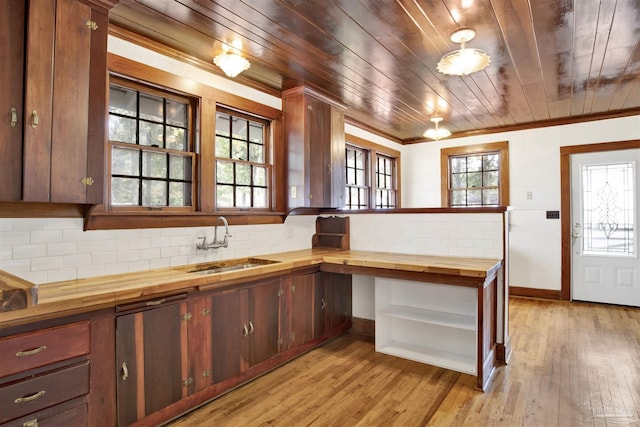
column 431, row 356
column 452, row 320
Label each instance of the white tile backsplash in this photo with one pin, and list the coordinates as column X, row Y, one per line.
column 50, row 250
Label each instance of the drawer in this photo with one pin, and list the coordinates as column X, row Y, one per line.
column 34, row 349
column 69, row 414
column 36, row 393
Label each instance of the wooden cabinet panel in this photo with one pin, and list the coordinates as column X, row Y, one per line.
column 35, row 349
column 55, row 53
column 12, row 21
column 264, row 321
column 229, row 314
column 42, row 391
column 300, row 290
column 314, row 132
column 333, row 297
column 151, row 349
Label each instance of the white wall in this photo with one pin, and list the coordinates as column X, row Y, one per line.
column 44, row 250
column 534, row 166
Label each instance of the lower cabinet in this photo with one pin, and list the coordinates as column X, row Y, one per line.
column 44, row 376
column 332, row 299
column 244, row 328
column 151, row 354
column 174, row 353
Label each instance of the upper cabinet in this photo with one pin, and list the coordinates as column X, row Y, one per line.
column 314, row 133
column 54, row 74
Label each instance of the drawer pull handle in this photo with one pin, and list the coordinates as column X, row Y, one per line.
column 31, row 398
column 324, row 304
column 245, row 331
column 250, row 328
column 125, row 372
column 156, row 302
column 31, row 423
column 31, row 352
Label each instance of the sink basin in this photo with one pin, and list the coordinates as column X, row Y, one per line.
column 231, row 265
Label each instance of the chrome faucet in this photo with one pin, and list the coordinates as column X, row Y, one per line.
column 203, row 244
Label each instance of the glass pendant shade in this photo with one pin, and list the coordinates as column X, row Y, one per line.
column 463, row 61
column 231, row 63
column 437, row 132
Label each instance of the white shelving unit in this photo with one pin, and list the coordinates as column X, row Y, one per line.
column 427, row 322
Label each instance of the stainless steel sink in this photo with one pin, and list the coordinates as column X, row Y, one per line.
column 231, row 265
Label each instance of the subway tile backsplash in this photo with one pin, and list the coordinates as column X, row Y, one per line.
column 51, row 250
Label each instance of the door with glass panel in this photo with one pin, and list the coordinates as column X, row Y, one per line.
column 604, row 197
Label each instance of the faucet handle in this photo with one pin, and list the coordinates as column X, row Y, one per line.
column 202, row 244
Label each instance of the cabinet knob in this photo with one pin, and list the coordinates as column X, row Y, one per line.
column 92, row 25
column 14, row 117
column 187, row 382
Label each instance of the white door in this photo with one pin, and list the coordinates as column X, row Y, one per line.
column 604, row 196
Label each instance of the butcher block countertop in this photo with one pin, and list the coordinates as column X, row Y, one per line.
column 82, row 295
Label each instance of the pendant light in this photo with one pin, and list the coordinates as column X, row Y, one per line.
column 437, row 132
column 463, row 61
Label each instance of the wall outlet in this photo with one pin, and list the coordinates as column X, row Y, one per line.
column 529, row 195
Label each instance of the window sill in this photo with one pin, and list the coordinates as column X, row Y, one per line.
column 99, row 219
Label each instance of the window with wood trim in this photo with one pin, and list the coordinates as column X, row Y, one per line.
column 151, row 154
column 357, row 183
column 385, row 182
column 475, row 175
column 243, row 166
column 372, row 175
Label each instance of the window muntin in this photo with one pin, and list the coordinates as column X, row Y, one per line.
column 475, row 180
column 357, row 179
column 149, row 145
column 385, row 182
column 242, row 161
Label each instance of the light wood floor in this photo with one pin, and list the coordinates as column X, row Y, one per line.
column 573, row 364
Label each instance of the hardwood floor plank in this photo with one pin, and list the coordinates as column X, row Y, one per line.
column 573, row 364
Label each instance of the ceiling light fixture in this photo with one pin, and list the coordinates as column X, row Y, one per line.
column 437, row 132
column 230, row 60
column 463, row 61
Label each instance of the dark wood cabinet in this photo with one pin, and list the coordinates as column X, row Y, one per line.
column 53, row 80
column 245, row 328
column 297, row 325
column 151, row 357
column 45, row 376
column 333, row 301
column 314, row 133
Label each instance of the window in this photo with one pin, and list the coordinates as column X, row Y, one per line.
column 372, row 173
column 476, row 175
column 385, row 178
column 150, row 148
column 357, row 191
column 242, row 161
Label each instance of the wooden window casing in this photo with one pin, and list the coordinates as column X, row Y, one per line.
column 446, row 156
column 206, row 101
column 175, row 175
column 357, row 177
column 383, row 186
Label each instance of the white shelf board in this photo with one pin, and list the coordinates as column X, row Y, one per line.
column 443, row 359
column 452, row 320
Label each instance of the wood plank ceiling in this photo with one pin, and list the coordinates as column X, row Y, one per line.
column 552, row 61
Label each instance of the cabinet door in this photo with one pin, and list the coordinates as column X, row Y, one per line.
column 12, row 27
column 151, row 360
column 333, row 297
column 200, row 366
column 230, row 340
column 301, row 292
column 65, row 72
column 264, row 320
